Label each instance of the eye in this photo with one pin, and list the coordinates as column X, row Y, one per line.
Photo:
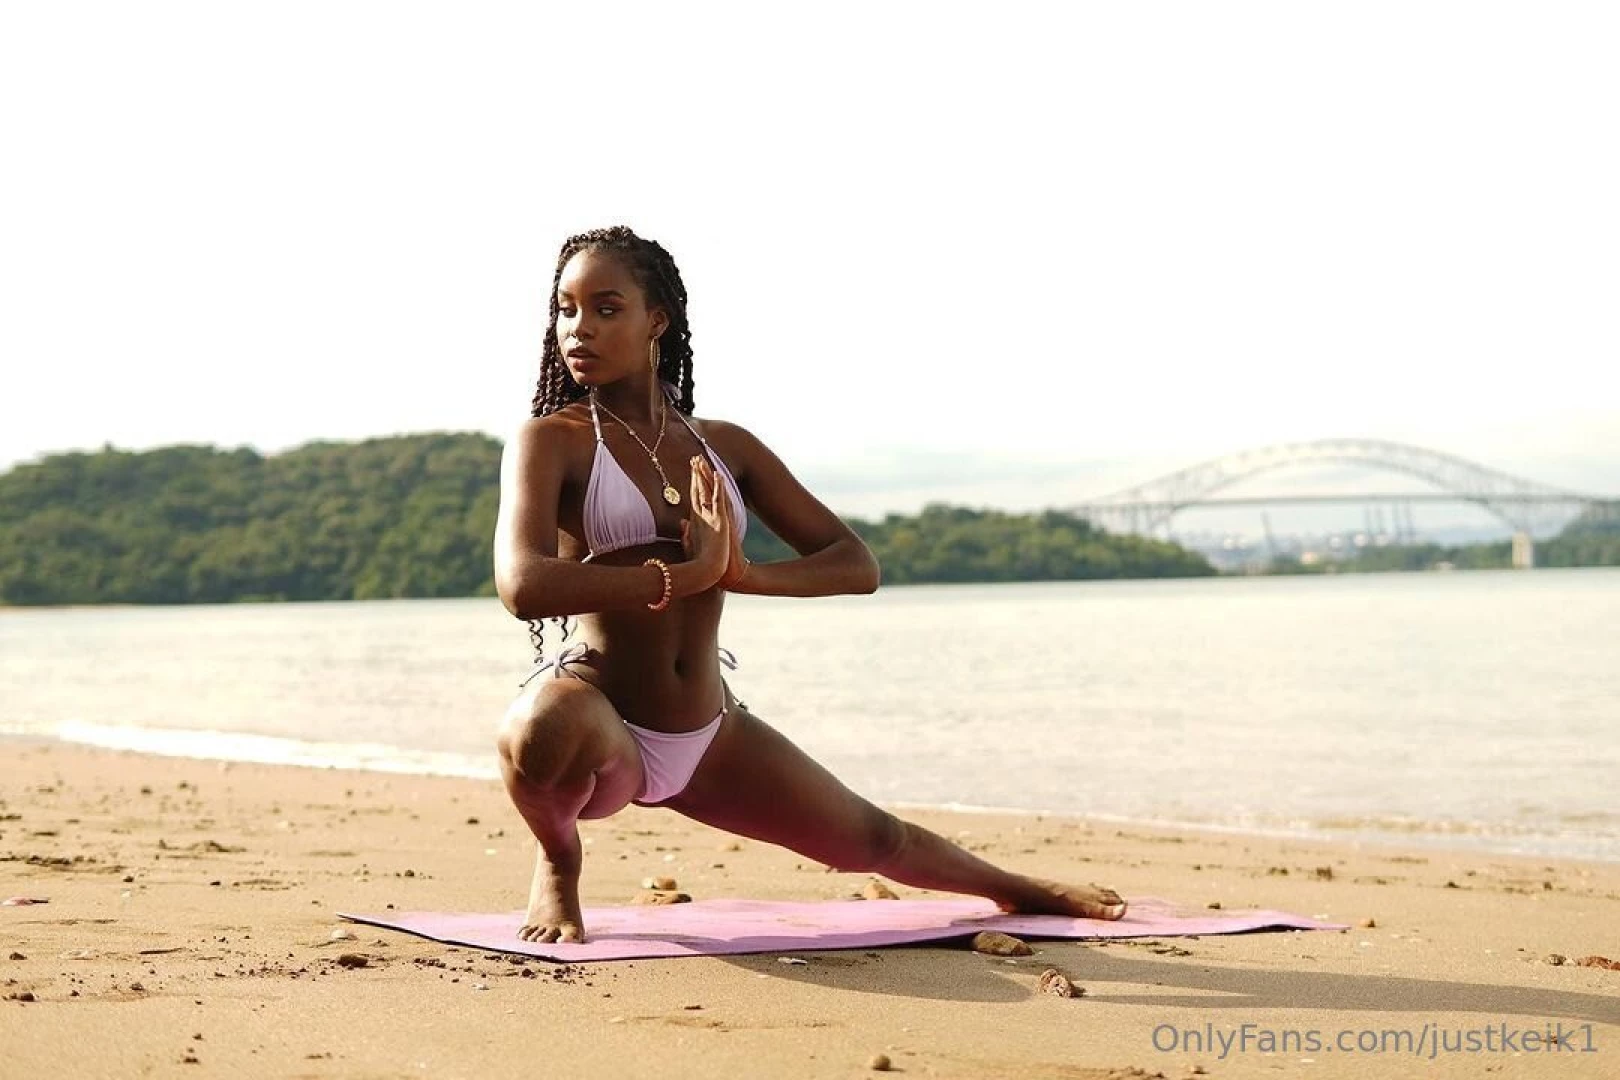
column 565, row 310
column 606, row 312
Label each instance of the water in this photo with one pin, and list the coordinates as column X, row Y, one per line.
column 1478, row 710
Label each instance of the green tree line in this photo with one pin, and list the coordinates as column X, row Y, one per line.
column 410, row 516
column 1592, row 539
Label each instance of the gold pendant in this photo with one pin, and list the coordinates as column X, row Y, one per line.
column 672, row 496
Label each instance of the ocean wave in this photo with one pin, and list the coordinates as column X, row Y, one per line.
column 271, row 750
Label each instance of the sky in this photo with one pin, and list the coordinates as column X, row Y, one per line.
column 1014, row 255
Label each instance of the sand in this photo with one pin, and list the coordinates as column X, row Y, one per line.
column 191, row 912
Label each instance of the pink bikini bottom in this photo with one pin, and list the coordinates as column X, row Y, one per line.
column 668, row 759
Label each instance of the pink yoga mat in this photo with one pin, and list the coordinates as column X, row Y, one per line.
column 718, row 927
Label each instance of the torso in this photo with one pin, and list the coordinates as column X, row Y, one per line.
column 659, row 669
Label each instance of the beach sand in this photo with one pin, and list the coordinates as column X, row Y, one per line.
column 191, row 910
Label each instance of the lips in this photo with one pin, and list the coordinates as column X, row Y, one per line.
column 581, row 354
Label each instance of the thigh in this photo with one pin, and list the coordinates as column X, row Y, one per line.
column 755, row 782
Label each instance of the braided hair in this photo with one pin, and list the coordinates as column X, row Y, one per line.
column 661, row 283
column 660, row 280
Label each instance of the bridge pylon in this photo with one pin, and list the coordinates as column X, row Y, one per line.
column 1524, row 551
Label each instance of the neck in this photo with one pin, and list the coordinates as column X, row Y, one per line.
column 634, row 399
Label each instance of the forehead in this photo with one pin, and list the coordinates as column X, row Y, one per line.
column 590, row 272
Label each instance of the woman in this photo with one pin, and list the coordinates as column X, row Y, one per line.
column 593, row 521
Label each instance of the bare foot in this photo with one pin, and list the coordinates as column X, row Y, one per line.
column 1041, row 897
column 554, row 913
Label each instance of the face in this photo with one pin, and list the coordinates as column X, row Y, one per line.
column 603, row 323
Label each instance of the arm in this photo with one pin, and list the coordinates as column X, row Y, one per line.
column 832, row 558
column 532, row 581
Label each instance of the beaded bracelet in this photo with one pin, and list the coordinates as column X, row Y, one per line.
column 669, row 584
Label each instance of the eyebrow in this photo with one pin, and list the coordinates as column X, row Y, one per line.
column 595, row 295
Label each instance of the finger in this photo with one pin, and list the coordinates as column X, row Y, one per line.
column 702, row 470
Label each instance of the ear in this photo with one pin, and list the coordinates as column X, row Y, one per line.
column 660, row 322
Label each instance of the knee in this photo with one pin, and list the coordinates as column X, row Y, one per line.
column 880, row 840
column 544, row 732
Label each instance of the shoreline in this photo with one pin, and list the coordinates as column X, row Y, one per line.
column 1433, row 835
column 1216, row 575
column 191, row 913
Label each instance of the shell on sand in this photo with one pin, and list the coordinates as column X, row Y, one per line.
column 661, row 884
column 876, row 890
column 995, row 943
column 661, row 896
column 1056, row 983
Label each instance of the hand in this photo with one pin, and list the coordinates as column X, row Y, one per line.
column 708, row 534
column 737, row 565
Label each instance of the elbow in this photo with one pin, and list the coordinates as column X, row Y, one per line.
column 512, row 599
column 522, row 595
column 870, row 575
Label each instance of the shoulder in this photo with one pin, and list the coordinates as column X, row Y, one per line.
column 562, row 439
column 726, row 435
column 558, row 431
column 739, row 446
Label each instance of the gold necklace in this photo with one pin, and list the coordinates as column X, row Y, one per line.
column 671, row 496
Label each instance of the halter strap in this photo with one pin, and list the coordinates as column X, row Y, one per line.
column 596, row 421
column 669, row 393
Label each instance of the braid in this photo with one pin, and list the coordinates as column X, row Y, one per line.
column 660, row 280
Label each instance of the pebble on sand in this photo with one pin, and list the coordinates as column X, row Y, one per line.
column 1557, row 959
column 342, row 934
column 353, row 960
column 660, row 897
column 1369, row 923
column 1056, row 983
column 876, row 890
column 661, row 884
column 1599, row 962
column 879, row 1063
column 995, row 943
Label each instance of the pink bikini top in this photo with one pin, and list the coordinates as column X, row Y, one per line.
column 617, row 514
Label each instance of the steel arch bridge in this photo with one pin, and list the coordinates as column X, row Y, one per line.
column 1523, row 505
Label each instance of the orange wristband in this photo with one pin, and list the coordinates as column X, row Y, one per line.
column 669, row 585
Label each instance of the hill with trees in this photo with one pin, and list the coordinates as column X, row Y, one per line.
column 409, row 516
